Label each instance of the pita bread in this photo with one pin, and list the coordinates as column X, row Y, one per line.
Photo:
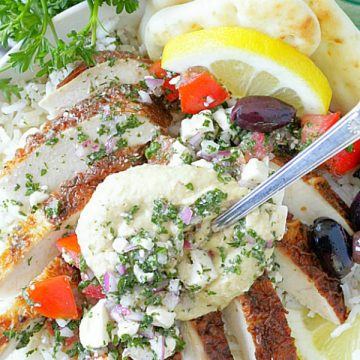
column 338, row 55
column 289, row 20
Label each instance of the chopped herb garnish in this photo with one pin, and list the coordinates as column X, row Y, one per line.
column 51, row 142
column 151, row 151
column 81, row 137
column 209, row 203
column 30, row 185
column 96, row 156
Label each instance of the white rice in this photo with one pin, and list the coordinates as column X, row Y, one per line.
column 24, row 116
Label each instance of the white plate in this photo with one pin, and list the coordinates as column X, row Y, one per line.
column 75, row 18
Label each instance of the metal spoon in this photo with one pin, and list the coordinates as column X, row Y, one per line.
column 339, row 137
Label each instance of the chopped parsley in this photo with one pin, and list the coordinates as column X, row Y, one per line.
column 122, row 143
column 132, row 122
column 151, row 151
column 209, row 203
column 96, row 156
column 22, row 338
column 81, row 136
column 130, row 214
column 51, row 142
column 30, row 185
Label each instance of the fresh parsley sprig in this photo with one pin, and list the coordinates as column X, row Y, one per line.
column 30, row 22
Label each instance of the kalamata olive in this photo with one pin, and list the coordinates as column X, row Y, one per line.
column 356, row 247
column 356, row 174
column 355, row 212
column 332, row 245
column 262, row 113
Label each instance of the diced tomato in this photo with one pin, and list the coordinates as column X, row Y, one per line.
column 54, row 298
column 170, row 90
column 69, row 243
column 199, row 90
column 260, row 147
column 94, row 292
column 157, row 71
column 71, row 246
column 70, row 341
column 313, row 126
column 345, row 160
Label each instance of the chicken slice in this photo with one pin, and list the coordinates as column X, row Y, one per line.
column 257, row 319
column 31, row 245
column 65, row 155
column 312, row 197
column 205, row 339
column 304, row 278
column 20, row 314
column 111, row 67
column 73, row 142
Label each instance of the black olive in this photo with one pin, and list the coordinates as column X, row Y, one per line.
column 356, row 174
column 355, row 212
column 332, row 245
column 356, row 247
column 262, row 113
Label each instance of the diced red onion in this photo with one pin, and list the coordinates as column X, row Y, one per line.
column 110, row 282
column 121, row 269
column 205, row 156
column 186, row 215
column 269, row 244
column 153, row 83
column 162, row 347
column 224, row 153
column 144, row 97
column 91, row 144
column 110, row 145
column 130, row 248
column 123, row 310
column 86, row 148
column 195, row 141
column 118, row 312
column 135, row 316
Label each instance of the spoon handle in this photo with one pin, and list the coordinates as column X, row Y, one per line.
column 339, row 137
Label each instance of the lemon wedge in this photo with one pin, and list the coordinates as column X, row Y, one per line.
column 314, row 340
column 249, row 62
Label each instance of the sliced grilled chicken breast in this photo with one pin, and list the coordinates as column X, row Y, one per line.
column 312, row 197
column 257, row 319
column 110, row 67
column 19, row 315
column 31, row 245
column 205, row 339
column 71, row 156
column 304, row 278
